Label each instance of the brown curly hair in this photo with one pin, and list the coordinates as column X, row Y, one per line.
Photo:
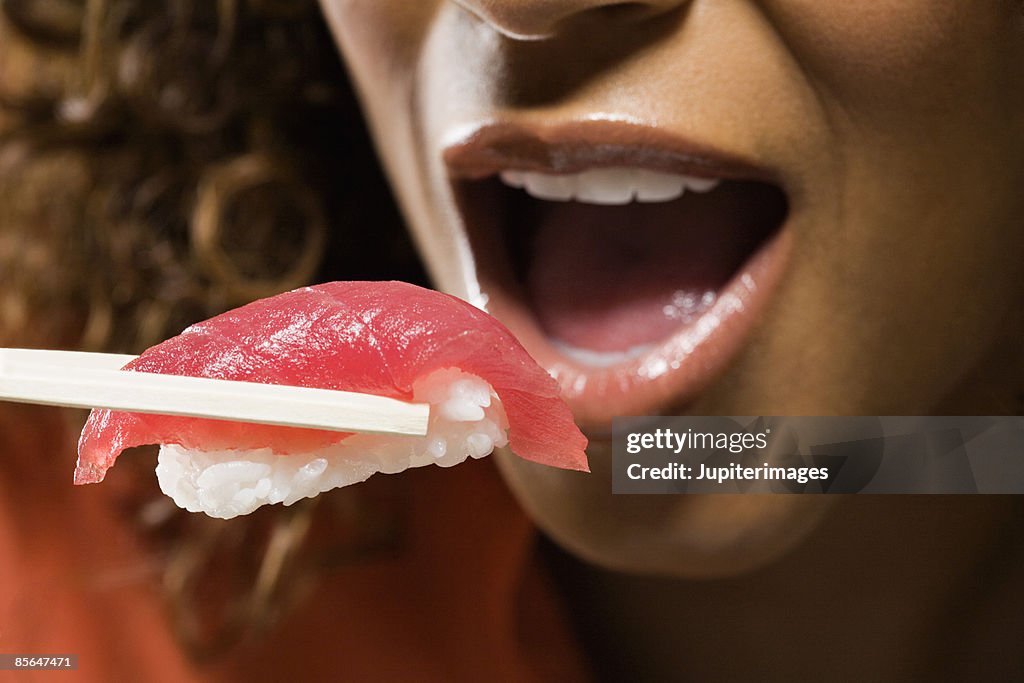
column 161, row 162
column 176, row 159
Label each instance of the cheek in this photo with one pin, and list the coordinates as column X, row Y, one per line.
column 382, row 42
column 379, row 38
column 925, row 120
column 904, row 54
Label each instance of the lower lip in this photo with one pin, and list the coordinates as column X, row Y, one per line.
column 672, row 372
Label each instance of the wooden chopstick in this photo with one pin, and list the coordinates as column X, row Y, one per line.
column 80, row 379
column 84, row 360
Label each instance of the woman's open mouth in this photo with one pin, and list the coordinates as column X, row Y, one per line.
column 630, row 265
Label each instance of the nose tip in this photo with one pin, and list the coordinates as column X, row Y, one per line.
column 538, row 19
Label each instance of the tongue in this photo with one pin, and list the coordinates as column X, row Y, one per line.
column 612, row 278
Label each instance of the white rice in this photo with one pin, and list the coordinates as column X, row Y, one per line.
column 466, row 420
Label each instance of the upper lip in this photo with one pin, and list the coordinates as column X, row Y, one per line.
column 572, row 147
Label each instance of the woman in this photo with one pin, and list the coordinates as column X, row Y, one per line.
column 849, row 180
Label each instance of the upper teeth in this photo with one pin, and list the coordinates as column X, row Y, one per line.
column 608, row 185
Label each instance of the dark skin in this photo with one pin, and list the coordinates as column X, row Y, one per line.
column 897, row 131
column 840, row 606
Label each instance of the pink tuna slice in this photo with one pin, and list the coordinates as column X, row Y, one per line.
column 368, row 337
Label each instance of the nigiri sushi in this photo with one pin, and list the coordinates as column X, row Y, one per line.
column 391, row 339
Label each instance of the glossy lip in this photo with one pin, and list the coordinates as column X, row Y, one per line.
column 672, row 372
column 574, row 147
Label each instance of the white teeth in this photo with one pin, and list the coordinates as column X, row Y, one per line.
column 554, row 187
column 701, row 184
column 652, row 186
column 513, row 178
column 607, row 185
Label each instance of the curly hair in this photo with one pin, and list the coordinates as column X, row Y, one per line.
column 161, row 162
column 186, row 160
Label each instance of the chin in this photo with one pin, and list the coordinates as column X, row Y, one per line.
column 694, row 536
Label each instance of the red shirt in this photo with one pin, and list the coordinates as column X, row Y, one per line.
column 461, row 599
